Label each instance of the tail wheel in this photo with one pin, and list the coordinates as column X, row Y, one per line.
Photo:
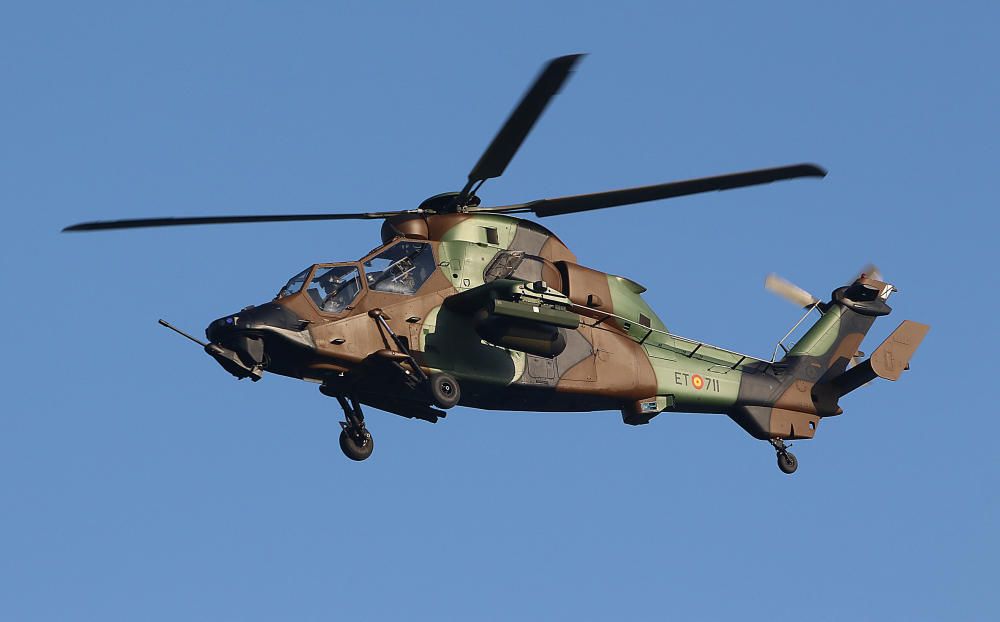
column 444, row 389
column 787, row 462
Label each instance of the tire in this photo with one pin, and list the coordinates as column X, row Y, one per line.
column 787, row 462
column 445, row 391
column 352, row 449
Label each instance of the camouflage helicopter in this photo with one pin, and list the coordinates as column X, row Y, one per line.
column 467, row 304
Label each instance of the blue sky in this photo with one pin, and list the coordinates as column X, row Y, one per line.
column 139, row 481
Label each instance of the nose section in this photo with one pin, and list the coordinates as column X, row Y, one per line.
column 237, row 350
column 238, row 338
column 261, row 318
column 221, row 329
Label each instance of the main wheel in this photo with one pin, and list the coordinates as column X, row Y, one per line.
column 787, row 462
column 444, row 390
column 354, row 449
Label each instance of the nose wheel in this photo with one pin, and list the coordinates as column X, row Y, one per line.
column 787, row 461
column 355, row 440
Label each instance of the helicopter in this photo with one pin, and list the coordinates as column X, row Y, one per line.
column 466, row 304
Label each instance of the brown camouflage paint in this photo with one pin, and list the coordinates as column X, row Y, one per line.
column 613, row 360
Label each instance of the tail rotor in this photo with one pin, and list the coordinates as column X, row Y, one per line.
column 802, row 298
column 790, row 291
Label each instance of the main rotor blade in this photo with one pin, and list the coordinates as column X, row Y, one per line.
column 505, row 144
column 628, row 196
column 101, row 225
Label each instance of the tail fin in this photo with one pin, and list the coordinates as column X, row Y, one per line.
column 827, row 348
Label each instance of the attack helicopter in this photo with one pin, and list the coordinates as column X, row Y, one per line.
column 465, row 304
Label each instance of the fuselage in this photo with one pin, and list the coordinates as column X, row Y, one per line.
column 620, row 356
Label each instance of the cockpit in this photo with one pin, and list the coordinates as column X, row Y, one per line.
column 400, row 268
column 334, row 288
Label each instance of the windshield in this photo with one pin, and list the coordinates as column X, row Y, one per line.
column 334, row 288
column 294, row 284
column 401, row 268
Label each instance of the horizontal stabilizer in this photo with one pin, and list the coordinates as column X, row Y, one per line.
column 893, row 356
column 889, row 359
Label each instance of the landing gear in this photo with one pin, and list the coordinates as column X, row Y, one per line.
column 356, row 447
column 787, row 461
column 444, row 390
column 355, row 440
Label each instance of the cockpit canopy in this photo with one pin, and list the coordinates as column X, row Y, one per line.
column 401, row 268
column 334, row 288
column 294, row 284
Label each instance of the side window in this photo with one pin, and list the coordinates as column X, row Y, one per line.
column 334, row 289
column 503, row 265
column 400, row 269
column 519, row 265
column 294, row 284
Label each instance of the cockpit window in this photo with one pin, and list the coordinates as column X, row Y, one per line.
column 400, row 269
column 294, row 284
column 333, row 289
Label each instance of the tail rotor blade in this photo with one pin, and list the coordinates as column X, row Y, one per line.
column 871, row 271
column 789, row 291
